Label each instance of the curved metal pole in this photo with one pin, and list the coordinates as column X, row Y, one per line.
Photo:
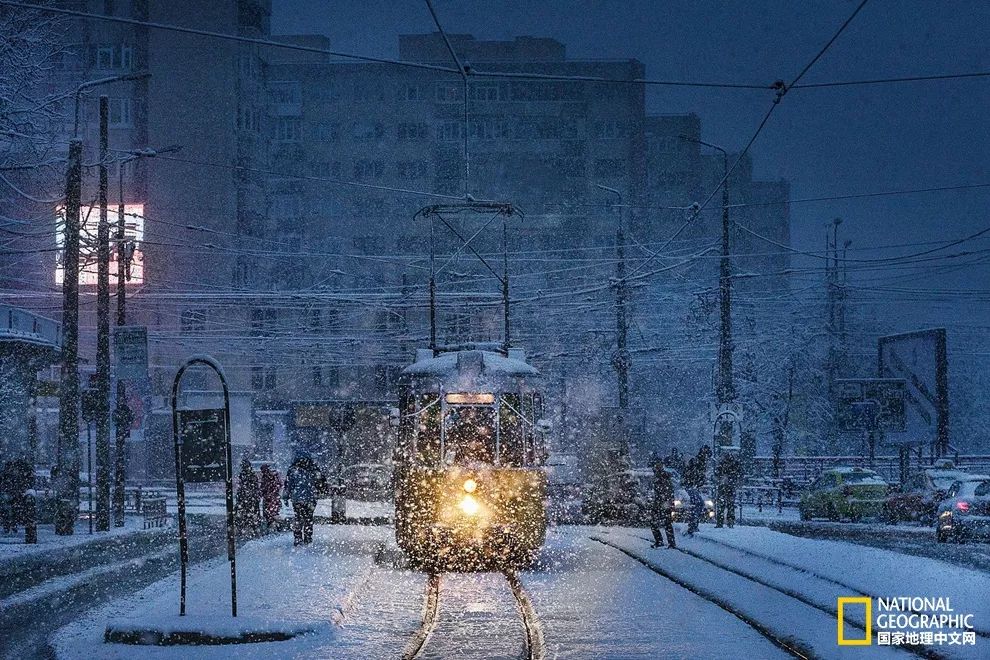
column 180, row 486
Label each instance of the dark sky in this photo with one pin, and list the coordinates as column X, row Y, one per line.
column 829, row 141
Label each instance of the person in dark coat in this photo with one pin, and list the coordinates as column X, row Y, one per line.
column 302, row 484
column 7, row 498
column 271, row 487
column 19, row 479
column 248, row 509
column 728, row 473
column 662, row 513
column 695, row 509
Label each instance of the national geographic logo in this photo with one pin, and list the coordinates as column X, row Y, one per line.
column 905, row 621
column 866, row 602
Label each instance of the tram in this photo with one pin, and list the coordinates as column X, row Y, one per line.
column 470, row 488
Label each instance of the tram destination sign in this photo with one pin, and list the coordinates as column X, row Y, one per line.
column 203, row 439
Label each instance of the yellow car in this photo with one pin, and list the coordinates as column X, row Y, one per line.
column 844, row 492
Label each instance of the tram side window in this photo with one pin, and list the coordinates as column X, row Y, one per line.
column 469, row 434
column 511, row 432
column 428, row 429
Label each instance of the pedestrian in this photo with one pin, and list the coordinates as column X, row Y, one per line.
column 302, row 481
column 271, row 487
column 247, row 513
column 728, row 472
column 7, row 498
column 695, row 509
column 662, row 509
column 20, row 480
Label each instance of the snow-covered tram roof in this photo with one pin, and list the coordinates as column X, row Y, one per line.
column 470, row 363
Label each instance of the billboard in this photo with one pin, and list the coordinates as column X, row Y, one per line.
column 920, row 359
column 862, row 403
column 89, row 219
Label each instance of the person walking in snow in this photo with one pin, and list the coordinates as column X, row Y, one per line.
column 271, row 487
column 302, row 482
column 728, row 473
column 661, row 510
column 247, row 513
column 695, row 509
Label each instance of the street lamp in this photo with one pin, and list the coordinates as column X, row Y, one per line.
column 96, row 83
column 122, row 414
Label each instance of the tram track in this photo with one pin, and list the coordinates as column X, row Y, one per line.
column 533, row 644
column 922, row 652
column 788, row 645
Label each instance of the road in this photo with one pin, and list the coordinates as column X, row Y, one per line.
column 62, row 597
column 908, row 541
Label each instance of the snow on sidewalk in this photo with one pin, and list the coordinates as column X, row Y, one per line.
column 787, row 617
column 277, row 583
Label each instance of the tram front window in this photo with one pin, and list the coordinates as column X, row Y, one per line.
column 469, row 435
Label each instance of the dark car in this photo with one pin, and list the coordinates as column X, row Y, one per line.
column 965, row 513
column 920, row 495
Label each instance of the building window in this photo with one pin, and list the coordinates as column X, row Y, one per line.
column 611, row 129
column 193, row 320
column 113, row 57
column 366, row 130
column 326, row 131
column 449, row 131
column 449, row 92
column 483, row 92
column 412, row 93
column 249, row 119
column 287, row 98
column 288, row 129
column 317, row 376
column 242, row 272
column 411, row 132
column 369, row 169
column 121, row 115
column 326, row 169
column 263, row 322
column 488, row 129
column 263, row 378
column 412, row 169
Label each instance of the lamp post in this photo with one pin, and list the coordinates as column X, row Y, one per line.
column 725, row 391
column 122, row 414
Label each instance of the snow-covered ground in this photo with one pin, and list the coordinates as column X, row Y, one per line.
column 12, row 546
column 598, row 593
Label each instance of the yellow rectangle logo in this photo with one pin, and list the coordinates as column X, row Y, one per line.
column 867, row 602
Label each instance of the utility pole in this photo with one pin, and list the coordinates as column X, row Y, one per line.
column 122, row 417
column 621, row 360
column 67, row 461
column 725, row 391
column 67, row 449
column 103, row 333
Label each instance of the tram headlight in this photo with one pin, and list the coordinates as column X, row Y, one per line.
column 469, row 505
column 470, row 486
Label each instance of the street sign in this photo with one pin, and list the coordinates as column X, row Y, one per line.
column 130, row 343
column 202, row 453
column 862, row 402
column 203, row 437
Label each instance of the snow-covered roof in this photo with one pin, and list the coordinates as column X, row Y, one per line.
column 484, row 362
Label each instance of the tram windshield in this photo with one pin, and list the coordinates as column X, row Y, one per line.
column 469, row 434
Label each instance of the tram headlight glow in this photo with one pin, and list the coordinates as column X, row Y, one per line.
column 470, row 486
column 469, row 505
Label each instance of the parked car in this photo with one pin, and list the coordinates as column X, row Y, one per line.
column 643, row 478
column 965, row 513
column 682, row 502
column 844, row 492
column 920, row 495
